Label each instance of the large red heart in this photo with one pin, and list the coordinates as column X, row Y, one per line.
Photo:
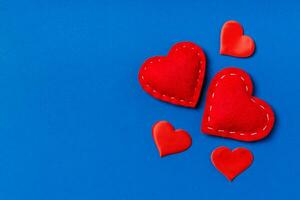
column 232, row 112
column 231, row 163
column 234, row 42
column 168, row 140
column 176, row 78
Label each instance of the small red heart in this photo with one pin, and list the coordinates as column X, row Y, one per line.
column 176, row 78
column 168, row 140
column 231, row 163
column 232, row 112
column 234, row 42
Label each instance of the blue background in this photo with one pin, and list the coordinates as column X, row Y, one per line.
column 75, row 123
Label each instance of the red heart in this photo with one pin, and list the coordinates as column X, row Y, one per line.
column 231, row 163
column 168, row 140
column 233, row 42
column 232, row 112
column 176, row 78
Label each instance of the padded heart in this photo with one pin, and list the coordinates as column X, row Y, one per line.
column 231, row 163
column 168, row 140
column 232, row 112
column 234, row 42
column 176, row 78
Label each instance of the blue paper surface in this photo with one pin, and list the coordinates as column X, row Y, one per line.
column 75, row 123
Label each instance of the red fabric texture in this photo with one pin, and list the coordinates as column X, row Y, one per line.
column 232, row 112
column 176, row 78
column 231, row 163
column 168, row 140
column 234, row 42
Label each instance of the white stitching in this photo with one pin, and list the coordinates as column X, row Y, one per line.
column 265, row 127
column 262, row 106
column 197, row 80
column 252, row 99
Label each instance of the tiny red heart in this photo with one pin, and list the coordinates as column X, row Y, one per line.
column 176, row 78
column 234, row 42
column 168, row 140
column 232, row 112
column 231, row 163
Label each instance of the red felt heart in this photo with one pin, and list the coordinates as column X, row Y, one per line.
column 232, row 112
column 233, row 42
column 231, row 163
column 168, row 140
column 176, row 78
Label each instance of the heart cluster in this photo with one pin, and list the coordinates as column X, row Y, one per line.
column 231, row 111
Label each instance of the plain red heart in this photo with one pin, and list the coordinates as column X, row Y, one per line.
column 176, row 78
column 232, row 112
column 234, row 42
column 231, row 163
column 168, row 140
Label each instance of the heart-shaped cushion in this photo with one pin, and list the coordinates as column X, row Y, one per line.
column 176, row 78
column 231, row 163
column 232, row 112
column 168, row 140
column 234, row 42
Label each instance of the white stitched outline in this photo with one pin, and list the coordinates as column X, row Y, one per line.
column 171, row 97
column 265, row 127
column 262, row 106
column 213, row 95
column 252, row 99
